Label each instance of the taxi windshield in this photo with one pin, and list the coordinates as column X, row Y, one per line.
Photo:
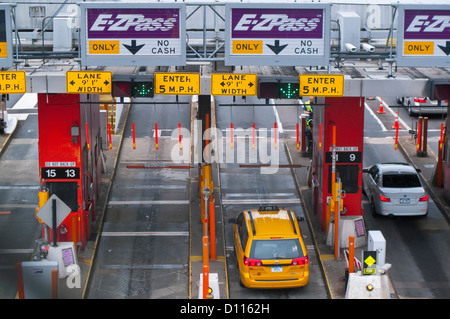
column 276, row 249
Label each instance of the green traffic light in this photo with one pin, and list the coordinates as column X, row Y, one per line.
column 143, row 89
column 289, row 90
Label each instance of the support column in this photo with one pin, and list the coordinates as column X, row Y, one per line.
column 347, row 114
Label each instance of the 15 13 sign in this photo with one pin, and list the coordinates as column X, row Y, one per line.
column 60, row 173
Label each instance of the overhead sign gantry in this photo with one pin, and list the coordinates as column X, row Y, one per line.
column 277, row 34
column 133, row 34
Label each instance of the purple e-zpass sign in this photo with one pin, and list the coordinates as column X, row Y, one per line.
column 427, row 24
column 133, row 23
column 423, row 37
column 133, row 33
column 283, row 34
column 277, row 23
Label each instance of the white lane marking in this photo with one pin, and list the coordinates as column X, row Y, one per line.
column 383, row 128
column 402, row 123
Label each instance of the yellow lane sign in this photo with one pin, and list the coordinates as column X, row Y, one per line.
column 85, row 82
column 322, row 85
column 13, row 82
column 177, row 83
column 104, row 47
column 233, row 84
column 3, row 50
column 247, row 47
column 419, row 47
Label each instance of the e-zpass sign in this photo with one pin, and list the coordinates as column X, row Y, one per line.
column 423, row 36
column 277, row 34
column 133, row 34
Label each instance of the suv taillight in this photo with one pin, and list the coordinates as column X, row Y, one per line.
column 252, row 262
column 300, row 261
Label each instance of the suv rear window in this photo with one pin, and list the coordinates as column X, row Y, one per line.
column 276, row 249
column 401, row 180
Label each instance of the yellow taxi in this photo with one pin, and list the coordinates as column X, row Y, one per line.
column 270, row 249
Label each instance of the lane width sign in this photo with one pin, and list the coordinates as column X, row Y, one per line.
column 233, row 84
column 133, row 34
column 85, row 82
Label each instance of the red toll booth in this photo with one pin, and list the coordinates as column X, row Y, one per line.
column 347, row 114
column 70, row 162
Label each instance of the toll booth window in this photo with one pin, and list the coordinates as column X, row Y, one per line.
column 66, row 191
column 348, row 175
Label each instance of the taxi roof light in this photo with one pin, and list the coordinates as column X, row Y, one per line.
column 268, row 209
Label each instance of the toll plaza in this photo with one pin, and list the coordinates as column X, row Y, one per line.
column 148, row 194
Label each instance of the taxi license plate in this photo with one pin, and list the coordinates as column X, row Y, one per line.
column 404, row 201
column 277, row 269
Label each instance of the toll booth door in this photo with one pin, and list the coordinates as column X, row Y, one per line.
column 66, row 191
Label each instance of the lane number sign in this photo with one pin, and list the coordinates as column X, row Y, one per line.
column 60, row 173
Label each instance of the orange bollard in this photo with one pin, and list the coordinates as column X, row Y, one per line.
column 419, row 135
column 351, row 254
column 179, row 136
column 87, row 138
column 232, row 140
column 253, row 140
column 134, row 136
column 205, row 243
column 439, row 162
column 320, row 136
column 205, row 266
column 109, row 135
column 212, row 228
column 156, row 135
column 205, row 281
column 396, row 138
column 336, row 230
column 275, row 130
column 303, row 143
